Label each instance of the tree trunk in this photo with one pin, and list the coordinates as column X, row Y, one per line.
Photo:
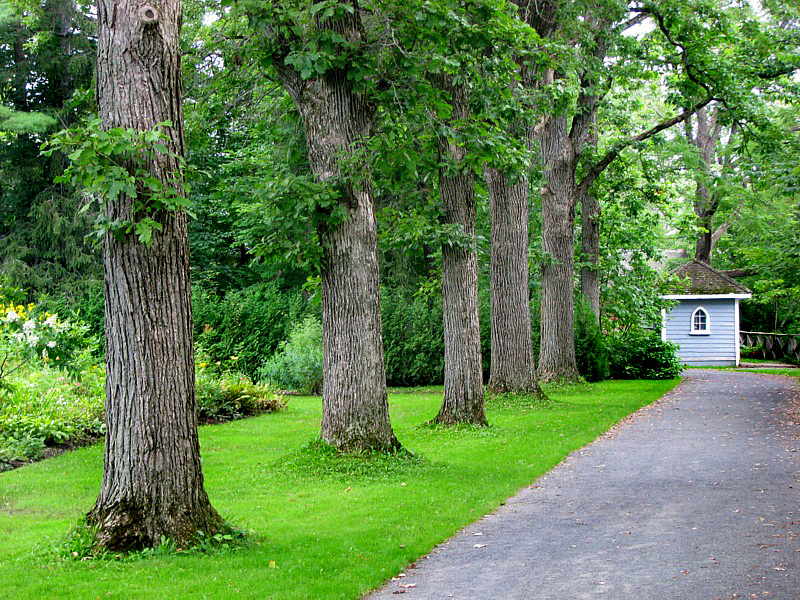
column 152, row 477
column 590, row 250
column 64, row 16
column 463, row 372
column 702, row 249
column 513, row 368
column 337, row 121
column 706, row 202
column 557, row 355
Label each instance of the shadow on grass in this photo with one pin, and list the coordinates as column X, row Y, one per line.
column 515, row 402
column 320, row 460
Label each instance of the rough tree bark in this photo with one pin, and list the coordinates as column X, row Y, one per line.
column 557, row 354
column 463, row 373
column 590, row 250
column 706, row 203
column 337, row 122
column 152, row 478
column 513, row 367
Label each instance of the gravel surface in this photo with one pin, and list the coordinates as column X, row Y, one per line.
column 696, row 496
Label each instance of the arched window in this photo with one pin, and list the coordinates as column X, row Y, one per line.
column 701, row 323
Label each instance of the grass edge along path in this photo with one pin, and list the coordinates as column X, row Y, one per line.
column 320, row 531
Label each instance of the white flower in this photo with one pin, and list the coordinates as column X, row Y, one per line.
column 51, row 344
column 51, row 321
column 12, row 316
column 33, row 340
column 29, row 325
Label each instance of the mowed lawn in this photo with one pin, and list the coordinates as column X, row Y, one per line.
column 318, row 534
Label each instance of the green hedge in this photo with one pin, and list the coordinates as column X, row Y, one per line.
column 244, row 328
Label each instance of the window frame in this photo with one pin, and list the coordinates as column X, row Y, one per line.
column 695, row 331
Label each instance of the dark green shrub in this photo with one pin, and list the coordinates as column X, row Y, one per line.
column 232, row 396
column 245, row 327
column 413, row 338
column 590, row 349
column 297, row 365
column 642, row 354
column 83, row 305
column 19, row 448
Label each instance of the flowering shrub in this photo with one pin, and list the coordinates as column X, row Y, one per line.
column 27, row 334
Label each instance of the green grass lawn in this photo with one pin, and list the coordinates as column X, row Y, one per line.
column 330, row 535
column 790, row 372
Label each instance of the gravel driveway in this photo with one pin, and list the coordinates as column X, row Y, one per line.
column 695, row 497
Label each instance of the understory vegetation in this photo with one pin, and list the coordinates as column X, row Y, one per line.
column 52, row 386
column 321, row 525
column 52, row 383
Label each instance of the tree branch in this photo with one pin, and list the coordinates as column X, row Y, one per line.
column 640, row 18
column 601, row 165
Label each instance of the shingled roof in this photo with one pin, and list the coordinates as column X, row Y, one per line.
column 704, row 279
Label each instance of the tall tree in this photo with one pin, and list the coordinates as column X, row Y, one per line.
column 322, row 55
column 463, row 374
column 568, row 135
column 152, row 477
column 704, row 133
column 46, row 51
column 513, row 365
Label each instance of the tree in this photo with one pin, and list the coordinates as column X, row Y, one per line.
column 463, row 400
column 322, row 56
column 513, row 365
column 698, row 75
column 152, row 477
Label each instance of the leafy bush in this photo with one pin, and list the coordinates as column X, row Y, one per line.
column 84, row 305
column 642, row 354
column 19, row 449
column 590, row 349
column 297, row 365
column 43, row 406
column 232, row 396
column 756, row 351
column 245, row 326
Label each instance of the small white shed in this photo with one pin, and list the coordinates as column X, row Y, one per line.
column 705, row 321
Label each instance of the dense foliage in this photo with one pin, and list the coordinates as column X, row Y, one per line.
column 52, row 386
column 641, row 354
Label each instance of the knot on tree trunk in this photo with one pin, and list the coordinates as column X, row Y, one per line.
column 148, row 14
